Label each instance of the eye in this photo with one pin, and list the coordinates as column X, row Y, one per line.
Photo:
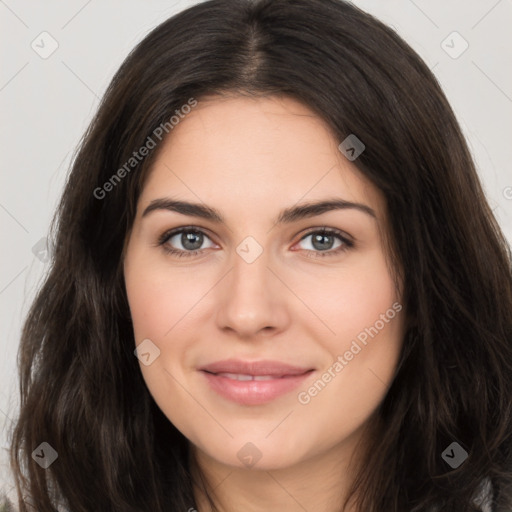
column 323, row 242
column 190, row 238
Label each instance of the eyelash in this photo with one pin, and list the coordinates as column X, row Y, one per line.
column 346, row 243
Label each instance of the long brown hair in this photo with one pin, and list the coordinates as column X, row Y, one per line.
column 81, row 388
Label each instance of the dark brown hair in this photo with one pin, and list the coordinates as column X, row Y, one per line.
column 81, row 386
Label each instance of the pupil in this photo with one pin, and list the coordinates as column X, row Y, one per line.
column 322, row 239
column 187, row 239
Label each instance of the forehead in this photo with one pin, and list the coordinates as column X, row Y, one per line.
column 255, row 152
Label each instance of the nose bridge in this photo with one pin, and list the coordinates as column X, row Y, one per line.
column 251, row 298
column 250, row 276
column 250, row 272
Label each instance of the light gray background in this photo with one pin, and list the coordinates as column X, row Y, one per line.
column 46, row 105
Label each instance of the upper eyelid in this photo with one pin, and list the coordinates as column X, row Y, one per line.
column 169, row 233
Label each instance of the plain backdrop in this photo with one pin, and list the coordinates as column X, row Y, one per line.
column 47, row 101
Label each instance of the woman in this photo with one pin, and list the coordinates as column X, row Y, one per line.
column 338, row 334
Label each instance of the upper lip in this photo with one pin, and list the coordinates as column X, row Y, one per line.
column 265, row 367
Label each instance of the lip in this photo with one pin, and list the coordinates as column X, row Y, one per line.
column 284, row 378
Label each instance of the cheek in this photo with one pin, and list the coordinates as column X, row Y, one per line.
column 349, row 300
column 149, row 307
column 367, row 302
column 358, row 357
column 363, row 311
column 164, row 307
column 159, row 299
column 161, row 303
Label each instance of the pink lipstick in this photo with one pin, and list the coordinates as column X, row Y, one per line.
column 253, row 383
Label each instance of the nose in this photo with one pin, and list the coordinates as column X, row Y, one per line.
column 252, row 299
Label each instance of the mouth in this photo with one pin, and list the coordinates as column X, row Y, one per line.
column 239, row 376
column 253, row 383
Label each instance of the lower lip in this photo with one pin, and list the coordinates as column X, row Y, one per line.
column 253, row 392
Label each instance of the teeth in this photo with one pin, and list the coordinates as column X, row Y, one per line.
column 238, row 376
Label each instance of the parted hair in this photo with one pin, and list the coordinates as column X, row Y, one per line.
column 81, row 387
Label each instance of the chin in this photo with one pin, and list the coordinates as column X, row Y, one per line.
column 253, row 453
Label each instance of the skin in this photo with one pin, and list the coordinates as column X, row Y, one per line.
column 250, row 158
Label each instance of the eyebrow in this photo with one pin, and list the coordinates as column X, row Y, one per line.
column 286, row 216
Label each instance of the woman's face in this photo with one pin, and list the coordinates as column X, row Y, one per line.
column 254, row 280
